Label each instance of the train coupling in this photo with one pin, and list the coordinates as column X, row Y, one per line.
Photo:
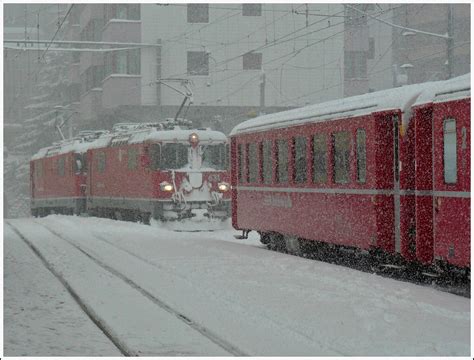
column 245, row 235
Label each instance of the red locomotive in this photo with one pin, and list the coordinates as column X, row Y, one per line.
column 136, row 172
column 387, row 171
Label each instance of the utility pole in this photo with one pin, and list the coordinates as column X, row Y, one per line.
column 449, row 42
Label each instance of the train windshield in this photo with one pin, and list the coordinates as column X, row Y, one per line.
column 174, row 156
column 214, row 156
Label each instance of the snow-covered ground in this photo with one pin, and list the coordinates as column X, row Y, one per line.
column 160, row 292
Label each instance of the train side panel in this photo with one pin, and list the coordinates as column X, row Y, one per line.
column 451, row 214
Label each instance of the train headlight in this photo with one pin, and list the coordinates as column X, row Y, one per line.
column 193, row 139
column 166, row 186
column 223, row 187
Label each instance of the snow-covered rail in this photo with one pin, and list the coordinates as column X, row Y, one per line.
column 82, row 304
column 225, row 347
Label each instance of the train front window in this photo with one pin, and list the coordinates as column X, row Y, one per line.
column 449, row 153
column 174, row 156
column 214, row 156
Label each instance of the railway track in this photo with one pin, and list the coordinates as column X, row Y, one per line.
column 114, row 338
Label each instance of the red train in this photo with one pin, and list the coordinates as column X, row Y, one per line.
column 387, row 171
column 135, row 172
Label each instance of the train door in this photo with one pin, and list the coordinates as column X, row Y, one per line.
column 451, row 200
column 396, row 180
column 424, row 183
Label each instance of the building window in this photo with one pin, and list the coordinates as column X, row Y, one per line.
column 121, row 11
column 240, row 163
column 320, row 156
column 198, row 13
column 123, row 62
column 252, row 9
column 198, row 63
column 449, row 152
column 101, row 161
column 132, row 158
column 355, row 64
column 341, row 164
column 267, row 161
column 282, row 161
column 361, row 156
column 252, row 61
column 299, row 154
column 371, row 52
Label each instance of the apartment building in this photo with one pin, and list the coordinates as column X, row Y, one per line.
column 239, row 60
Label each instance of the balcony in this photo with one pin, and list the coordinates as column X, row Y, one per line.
column 119, row 30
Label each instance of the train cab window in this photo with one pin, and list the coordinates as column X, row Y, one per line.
column 282, row 161
column 79, row 165
column 214, row 156
column 101, row 161
column 299, row 153
column 227, row 156
column 449, row 152
column 320, row 157
column 132, row 158
column 61, row 165
column 240, row 160
column 361, row 156
column 267, row 162
column 341, row 163
column 174, row 156
column 252, row 162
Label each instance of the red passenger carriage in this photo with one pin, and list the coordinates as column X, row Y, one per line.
column 344, row 173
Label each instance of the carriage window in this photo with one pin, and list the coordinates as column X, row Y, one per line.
column 341, row 145
column 267, row 161
column 361, row 156
column 320, row 156
column 252, row 162
column 282, row 161
column 101, row 161
column 449, row 154
column 132, row 158
column 155, row 156
column 214, row 156
column 299, row 154
column 61, row 166
column 174, row 156
column 39, row 169
column 241, row 163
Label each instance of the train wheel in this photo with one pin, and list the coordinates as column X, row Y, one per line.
column 277, row 242
column 292, row 245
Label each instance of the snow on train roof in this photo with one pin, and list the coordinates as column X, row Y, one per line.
column 397, row 98
column 455, row 88
column 176, row 135
column 130, row 137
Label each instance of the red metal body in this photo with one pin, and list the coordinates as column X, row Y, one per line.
column 56, row 184
column 404, row 206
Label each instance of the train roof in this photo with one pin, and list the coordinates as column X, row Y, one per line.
column 441, row 91
column 397, row 98
column 127, row 134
